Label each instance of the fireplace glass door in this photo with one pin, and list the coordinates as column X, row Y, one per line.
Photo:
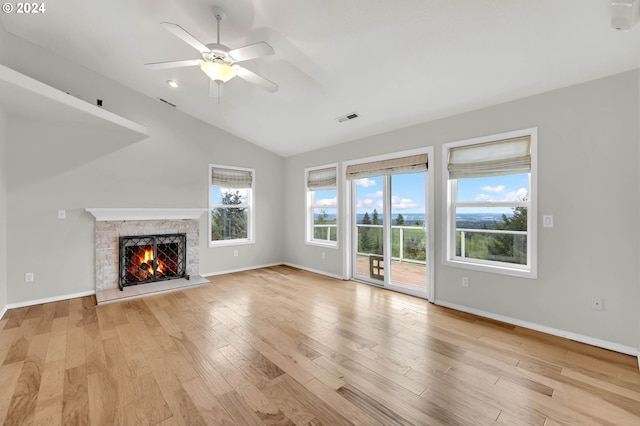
column 149, row 258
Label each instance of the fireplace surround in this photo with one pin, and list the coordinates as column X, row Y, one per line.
column 113, row 223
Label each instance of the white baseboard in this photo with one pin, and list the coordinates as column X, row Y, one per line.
column 248, row 268
column 47, row 300
column 3, row 311
column 629, row 350
column 315, row 271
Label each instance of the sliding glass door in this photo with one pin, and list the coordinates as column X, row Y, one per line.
column 408, row 232
column 389, row 217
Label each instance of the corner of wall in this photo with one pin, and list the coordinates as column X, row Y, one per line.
column 3, row 211
column 638, row 141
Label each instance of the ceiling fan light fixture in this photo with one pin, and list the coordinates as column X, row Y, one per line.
column 218, row 71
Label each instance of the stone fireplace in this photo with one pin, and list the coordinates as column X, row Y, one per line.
column 141, row 232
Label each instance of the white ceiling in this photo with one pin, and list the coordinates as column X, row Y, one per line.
column 395, row 62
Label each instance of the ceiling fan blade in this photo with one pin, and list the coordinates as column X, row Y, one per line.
column 173, row 64
column 254, row 78
column 251, row 51
column 182, row 34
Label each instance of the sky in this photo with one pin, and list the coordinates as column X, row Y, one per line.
column 408, row 193
column 495, row 188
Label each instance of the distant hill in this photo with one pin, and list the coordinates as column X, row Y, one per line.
column 463, row 220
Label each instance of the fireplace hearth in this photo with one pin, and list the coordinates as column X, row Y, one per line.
column 151, row 258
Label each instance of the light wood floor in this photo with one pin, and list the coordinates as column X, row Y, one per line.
column 284, row 346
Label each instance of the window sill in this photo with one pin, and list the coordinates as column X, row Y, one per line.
column 493, row 269
column 331, row 245
column 226, row 243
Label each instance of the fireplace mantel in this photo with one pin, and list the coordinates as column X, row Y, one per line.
column 116, row 214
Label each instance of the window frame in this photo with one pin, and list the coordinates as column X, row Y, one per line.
column 450, row 203
column 250, row 205
column 310, row 206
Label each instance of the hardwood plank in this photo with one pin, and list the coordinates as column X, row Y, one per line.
column 21, row 409
column 75, row 401
column 9, row 375
column 18, row 350
column 61, row 309
column 50, row 394
column 372, row 406
column 31, row 373
column 244, row 379
column 102, row 390
column 291, row 407
column 48, row 412
column 239, row 410
column 210, row 408
column 323, row 412
column 329, row 396
column 282, row 346
column 52, row 381
column 149, row 407
column 181, row 404
column 14, row 317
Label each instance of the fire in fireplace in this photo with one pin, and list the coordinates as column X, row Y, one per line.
column 150, row 258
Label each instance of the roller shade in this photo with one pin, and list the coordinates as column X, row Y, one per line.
column 395, row 166
column 497, row 158
column 231, row 178
column 322, row 178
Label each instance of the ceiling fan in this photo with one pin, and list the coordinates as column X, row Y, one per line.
column 218, row 61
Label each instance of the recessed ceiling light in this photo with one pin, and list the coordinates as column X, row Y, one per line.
column 172, row 83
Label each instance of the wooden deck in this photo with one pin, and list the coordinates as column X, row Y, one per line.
column 281, row 346
column 405, row 275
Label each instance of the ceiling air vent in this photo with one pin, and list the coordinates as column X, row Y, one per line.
column 347, row 117
column 167, row 102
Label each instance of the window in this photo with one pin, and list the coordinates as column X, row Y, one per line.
column 491, row 198
column 231, row 205
column 322, row 205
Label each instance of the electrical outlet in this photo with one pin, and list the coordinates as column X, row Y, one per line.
column 597, row 303
column 465, row 281
column 235, row 253
column 324, row 255
column 28, row 277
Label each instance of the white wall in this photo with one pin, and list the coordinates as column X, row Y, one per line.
column 3, row 209
column 55, row 165
column 588, row 179
column 3, row 189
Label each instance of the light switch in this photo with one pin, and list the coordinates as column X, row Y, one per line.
column 547, row 221
column 62, row 214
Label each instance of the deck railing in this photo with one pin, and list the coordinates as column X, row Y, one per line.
column 331, row 230
column 330, row 227
column 513, row 259
column 401, row 229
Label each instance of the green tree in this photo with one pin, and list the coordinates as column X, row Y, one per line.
column 374, row 218
column 228, row 223
column 377, row 233
column 322, row 217
column 400, row 220
column 364, row 239
column 509, row 247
